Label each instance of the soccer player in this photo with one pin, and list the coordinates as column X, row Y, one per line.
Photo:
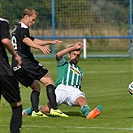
column 31, row 71
column 9, row 88
column 68, row 84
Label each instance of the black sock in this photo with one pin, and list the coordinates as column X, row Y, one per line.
column 51, row 96
column 16, row 119
column 35, row 100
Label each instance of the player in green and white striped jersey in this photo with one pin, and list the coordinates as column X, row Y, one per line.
column 69, row 74
column 68, row 83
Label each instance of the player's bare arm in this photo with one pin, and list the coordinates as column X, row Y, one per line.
column 29, row 42
column 46, row 42
column 61, row 53
column 10, row 48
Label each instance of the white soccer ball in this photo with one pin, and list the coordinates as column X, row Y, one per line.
column 130, row 88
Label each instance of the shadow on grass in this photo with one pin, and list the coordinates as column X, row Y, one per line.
column 131, row 117
column 70, row 113
column 74, row 113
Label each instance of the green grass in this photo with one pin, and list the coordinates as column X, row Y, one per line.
column 105, row 82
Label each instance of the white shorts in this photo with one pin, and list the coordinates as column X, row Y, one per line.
column 67, row 94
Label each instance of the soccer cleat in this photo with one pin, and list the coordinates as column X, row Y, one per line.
column 57, row 112
column 94, row 113
column 38, row 114
column 27, row 111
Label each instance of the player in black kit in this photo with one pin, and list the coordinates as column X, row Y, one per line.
column 9, row 88
column 31, row 71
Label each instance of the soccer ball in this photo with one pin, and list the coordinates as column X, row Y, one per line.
column 130, row 88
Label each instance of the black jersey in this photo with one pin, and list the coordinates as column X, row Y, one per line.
column 19, row 32
column 30, row 69
column 4, row 63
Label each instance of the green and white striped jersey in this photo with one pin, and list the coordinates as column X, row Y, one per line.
column 69, row 74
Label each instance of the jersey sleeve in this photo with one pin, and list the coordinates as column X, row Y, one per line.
column 61, row 62
column 25, row 33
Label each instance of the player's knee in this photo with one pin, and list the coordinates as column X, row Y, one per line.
column 36, row 86
column 46, row 80
column 15, row 104
column 80, row 101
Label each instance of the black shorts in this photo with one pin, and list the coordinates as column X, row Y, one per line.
column 28, row 71
column 9, row 88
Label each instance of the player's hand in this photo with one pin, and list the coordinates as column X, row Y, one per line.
column 78, row 45
column 18, row 59
column 57, row 42
column 45, row 49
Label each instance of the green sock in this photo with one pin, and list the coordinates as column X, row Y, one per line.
column 85, row 110
column 29, row 110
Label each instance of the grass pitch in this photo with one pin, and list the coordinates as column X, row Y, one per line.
column 105, row 82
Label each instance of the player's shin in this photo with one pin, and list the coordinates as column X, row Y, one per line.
column 16, row 120
column 35, row 100
column 51, row 96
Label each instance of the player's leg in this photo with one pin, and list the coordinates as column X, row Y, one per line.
column 61, row 97
column 50, row 89
column 16, row 119
column 85, row 109
column 44, row 109
column 48, row 82
column 35, row 99
column 27, row 111
column 10, row 91
column 25, row 75
column 82, row 103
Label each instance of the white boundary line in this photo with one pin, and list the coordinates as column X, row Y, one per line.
column 108, row 71
column 105, row 128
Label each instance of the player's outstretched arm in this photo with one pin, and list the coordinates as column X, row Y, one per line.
column 61, row 53
column 29, row 42
column 47, row 42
